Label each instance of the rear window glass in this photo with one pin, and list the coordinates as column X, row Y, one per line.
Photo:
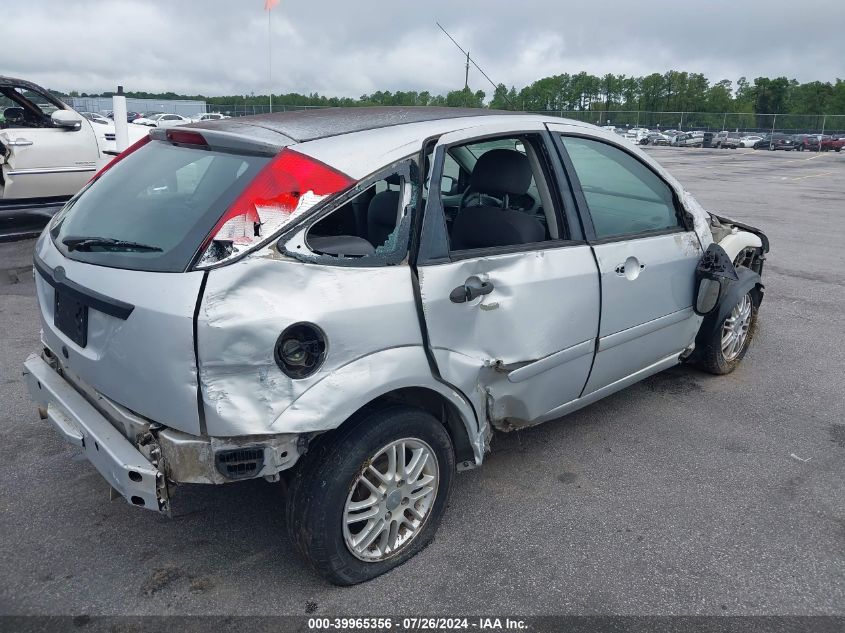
column 152, row 210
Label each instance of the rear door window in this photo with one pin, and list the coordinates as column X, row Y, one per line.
column 153, row 209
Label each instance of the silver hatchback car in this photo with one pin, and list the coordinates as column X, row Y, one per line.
column 352, row 300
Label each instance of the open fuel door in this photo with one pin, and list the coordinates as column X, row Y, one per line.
column 510, row 295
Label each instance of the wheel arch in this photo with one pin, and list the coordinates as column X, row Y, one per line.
column 440, row 407
column 393, row 375
column 748, row 282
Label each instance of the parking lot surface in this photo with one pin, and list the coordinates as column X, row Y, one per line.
column 685, row 494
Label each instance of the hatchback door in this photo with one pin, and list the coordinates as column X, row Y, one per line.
column 646, row 252
column 114, row 281
column 511, row 323
column 126, row 333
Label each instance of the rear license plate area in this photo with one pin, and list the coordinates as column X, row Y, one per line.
column 71, row 318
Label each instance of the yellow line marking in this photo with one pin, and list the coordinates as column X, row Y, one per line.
column 824, row 173
column 814, row 157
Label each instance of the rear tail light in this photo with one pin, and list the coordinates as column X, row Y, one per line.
column 135, row 146
column 288, row 186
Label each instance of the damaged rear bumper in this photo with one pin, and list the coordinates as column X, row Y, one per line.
column 141, row 460
column 121, row 464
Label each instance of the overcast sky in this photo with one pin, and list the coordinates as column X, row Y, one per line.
column 348, row 47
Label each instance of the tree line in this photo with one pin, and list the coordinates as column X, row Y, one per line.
column 672, row 91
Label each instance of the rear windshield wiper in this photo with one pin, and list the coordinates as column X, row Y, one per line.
column 107, row 243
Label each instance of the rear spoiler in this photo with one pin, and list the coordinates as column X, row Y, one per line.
column 255, row 140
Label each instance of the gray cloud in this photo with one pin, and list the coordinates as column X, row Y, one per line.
column 337, row 47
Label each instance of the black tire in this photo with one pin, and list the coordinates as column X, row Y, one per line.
column 712, row 358
column 318, row 492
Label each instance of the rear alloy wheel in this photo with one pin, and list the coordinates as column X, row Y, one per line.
column 729, row 342
column 389, row 504
column 370, row 495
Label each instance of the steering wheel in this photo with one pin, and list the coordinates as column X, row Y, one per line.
column 484, row 200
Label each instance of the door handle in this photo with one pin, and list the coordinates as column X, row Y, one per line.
column 19, row 142
column 472, row 288
column 630, row 268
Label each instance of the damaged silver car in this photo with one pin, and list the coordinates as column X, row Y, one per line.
column 353, row 300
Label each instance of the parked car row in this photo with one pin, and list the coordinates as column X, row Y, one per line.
column 800, row 142
column 731, row 140
column 161, row 119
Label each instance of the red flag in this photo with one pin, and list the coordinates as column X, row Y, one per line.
column 269, row 4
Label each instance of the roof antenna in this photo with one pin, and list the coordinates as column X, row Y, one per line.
column 470, row 59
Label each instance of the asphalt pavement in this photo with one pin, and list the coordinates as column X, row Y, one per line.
column 685, row 494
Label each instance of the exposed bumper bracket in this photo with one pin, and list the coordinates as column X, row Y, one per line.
column 118, row 461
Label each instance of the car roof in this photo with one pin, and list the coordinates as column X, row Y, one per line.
column 309, row 125
column 22, row 83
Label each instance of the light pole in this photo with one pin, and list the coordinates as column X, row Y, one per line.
column 824, row 121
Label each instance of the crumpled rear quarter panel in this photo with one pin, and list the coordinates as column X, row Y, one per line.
column 247, row 304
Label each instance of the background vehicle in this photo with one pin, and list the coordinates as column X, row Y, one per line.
column 654, row 138
column 300, row 260
column 836, row 144
column 96, row 118
column 162, row 119
column 47, row 153
column 688, row 140
column 808, row 142
column 776, row 141
column 209, row 116
column 130, row 116
column 748, row 141
column 726, row 140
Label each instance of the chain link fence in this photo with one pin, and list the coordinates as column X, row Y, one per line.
column 704, row 121
column 711, row 121
column 248, row 110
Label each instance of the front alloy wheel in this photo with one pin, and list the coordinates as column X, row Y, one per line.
column 735, row 329
column 725, row 345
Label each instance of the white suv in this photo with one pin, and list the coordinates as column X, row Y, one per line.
column 48, row 151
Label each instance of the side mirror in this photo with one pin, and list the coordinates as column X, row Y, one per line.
column 67, row 119
column 709, row 291
column 715, row 270
column 447, row 184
